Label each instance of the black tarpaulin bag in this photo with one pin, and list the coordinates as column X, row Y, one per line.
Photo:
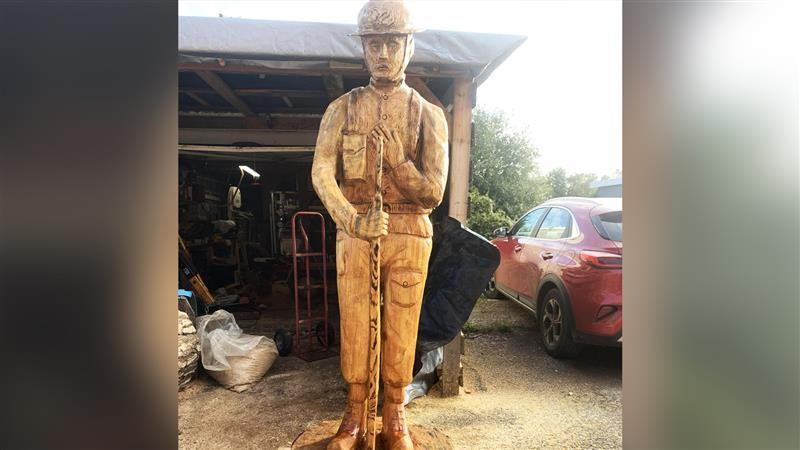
column 462, row 263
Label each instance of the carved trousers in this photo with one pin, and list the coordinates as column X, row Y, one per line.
column 404, row 267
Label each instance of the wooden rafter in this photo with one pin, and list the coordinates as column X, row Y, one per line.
column 217, row 84
column 419, row 85
column 262, row 92
column 276, row 110
column 277, row 122
column 196, row 98
column 345, row 71
column 334, row 85
column 212, row 136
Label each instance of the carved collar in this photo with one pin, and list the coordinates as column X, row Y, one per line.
column 387, row 88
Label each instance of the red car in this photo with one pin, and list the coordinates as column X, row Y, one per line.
column 563, row 261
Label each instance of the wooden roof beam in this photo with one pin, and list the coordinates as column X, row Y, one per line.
column 196, row 98
column 419, row 85
column 334, row 85
column 444, row 72
column 217, row 84
column 291, row 93
column 268, row 111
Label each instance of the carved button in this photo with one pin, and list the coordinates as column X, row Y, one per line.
column 385, row 97
column 405, row 283
column 384, row 117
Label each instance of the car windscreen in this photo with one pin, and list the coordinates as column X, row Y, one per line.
column 609, row 225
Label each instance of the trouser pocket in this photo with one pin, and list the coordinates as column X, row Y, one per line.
column 402, row 303
column 405, row 285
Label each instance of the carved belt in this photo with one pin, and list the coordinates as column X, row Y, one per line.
column 395, row 208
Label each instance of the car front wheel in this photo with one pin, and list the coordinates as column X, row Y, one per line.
column 491, row 290
column 555, row 326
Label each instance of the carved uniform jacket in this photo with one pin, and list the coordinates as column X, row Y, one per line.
column 343, row 167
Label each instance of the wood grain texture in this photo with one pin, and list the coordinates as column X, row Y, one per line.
column 380, row 167
column 218, row 84
column 318, row 436
column 375, row 311
column 459, row 203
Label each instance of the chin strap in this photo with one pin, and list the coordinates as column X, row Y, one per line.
column 406, row 55
column 406, row 59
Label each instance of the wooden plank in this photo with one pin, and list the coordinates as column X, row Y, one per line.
column 210, row 136
column 282, row 110
column 196, row 98
column 241, row 68
column 460, row 150
column 292, row 93
column 266, row 92
column 443, row 72
column 419, row 85
column 277, row 122
column 222, row 88
column 188, row 148
column 458, row 203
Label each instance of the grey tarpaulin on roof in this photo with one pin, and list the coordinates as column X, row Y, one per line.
column 282, row 44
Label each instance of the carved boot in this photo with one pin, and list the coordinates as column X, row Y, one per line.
column 395, row 433
column 352, row 429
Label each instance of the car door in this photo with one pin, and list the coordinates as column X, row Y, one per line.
column 509, row 279
column 539, row 251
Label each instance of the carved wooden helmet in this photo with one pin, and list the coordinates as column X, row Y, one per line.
column 384, row 17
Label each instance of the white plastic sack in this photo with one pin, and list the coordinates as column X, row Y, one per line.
column 236, row 360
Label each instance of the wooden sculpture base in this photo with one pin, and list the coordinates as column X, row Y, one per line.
column 317, row 437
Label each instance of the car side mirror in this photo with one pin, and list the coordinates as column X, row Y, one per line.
column 501, row 232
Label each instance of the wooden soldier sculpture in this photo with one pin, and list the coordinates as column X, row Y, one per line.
column 380, row 167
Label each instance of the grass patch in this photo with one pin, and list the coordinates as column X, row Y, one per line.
column 472, row 327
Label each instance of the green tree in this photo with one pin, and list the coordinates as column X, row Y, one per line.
column 483, row 217
column 557, row 183
column 505, row 179
column 504, row 164
column 561, row 184
column 579, row 185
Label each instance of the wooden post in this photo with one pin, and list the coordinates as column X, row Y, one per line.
column 459, row 201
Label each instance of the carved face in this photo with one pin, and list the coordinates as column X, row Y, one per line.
column 386, row 55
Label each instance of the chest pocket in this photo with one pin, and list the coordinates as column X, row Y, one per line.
column 354, row 156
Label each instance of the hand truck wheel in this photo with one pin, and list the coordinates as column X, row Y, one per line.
column 319, row 332
column 283, row 340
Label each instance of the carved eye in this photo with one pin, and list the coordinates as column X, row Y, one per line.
column 393, row 46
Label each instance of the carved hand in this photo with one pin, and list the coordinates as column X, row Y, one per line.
column 392, row 147
column 374, row 224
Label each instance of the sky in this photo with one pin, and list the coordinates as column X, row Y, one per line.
column 563, row 86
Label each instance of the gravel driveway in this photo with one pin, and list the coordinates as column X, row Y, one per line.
column 515, row 396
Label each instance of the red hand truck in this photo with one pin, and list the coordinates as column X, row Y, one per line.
column 302, row 261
